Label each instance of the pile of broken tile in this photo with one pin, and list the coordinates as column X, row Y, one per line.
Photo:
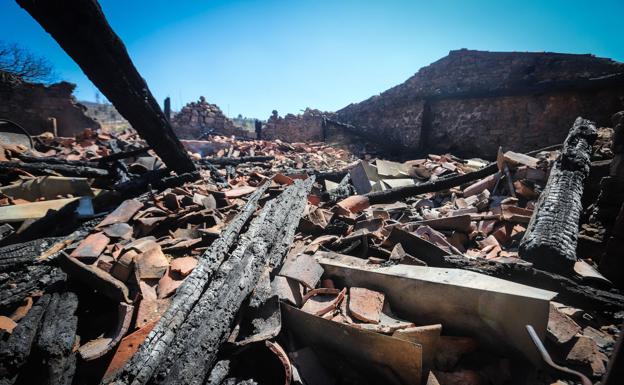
column 369, row 292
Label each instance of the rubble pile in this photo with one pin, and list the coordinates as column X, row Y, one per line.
column 323, row 267
column 198, row 119
column 153, row 261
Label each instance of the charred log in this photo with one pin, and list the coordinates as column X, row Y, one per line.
column 210, row 321
column 82, row 30
column 17, row 285
column 57, row 338
column 142, row 365
column 202, row 328
column 15, row 350
column 49, row 168
column 394, row 194
column 223, row 161
column 551, row 236
column 15, row 256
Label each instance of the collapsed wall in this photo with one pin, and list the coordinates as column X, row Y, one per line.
column 198, row 119
column 295, row 128
column 32, row 104
column 470, row 102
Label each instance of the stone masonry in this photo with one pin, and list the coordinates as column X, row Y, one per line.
column 197, row 119
column 30, row 105
column 295, row 128
column 470, row 102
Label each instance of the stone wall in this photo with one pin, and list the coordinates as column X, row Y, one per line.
column 197, row 119
column 30, row 105
column 470, row 102
column 477, row 126
column 295, row 128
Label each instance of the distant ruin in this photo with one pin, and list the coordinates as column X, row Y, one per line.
column 296, row 128
column 198, row 119
column 31, row 105
column 470, row 103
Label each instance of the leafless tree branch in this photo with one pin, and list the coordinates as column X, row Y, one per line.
column 23, row 63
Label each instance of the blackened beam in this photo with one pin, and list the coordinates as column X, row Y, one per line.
column 81, row 29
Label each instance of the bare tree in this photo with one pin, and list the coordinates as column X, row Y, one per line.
column 23, row 63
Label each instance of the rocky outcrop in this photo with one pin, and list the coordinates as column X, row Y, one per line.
column 470, row 102
column 31, row 105
column 198, row 119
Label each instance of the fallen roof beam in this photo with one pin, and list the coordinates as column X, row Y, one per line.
column 81, row 29
column 551, row 237
column 399, row 193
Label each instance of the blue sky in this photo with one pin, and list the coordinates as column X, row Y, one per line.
column 251, row 57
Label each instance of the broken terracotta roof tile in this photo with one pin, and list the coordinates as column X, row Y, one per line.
column 92, row 246
column 183, row 265
column 303, row 268
column 123, row 213
column 365, row 305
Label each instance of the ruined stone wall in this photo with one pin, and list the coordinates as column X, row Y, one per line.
column 197, row 119
column 30, row 105
column 295, row 128
column 477, row 126
column 470, row 102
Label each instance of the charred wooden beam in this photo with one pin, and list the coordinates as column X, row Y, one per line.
column 55, row 160
column 19, row 284
column 143, row 364
column 15, row 256
column 216, row 175
column 569, row 291
column 209, row 324
column 81, row 29
column 223, row 161
column 57, row 338
column 14, row 351
column 65, row 169
column 398, row 193
column 200, row 330
column 121, row 155
column 551, row 236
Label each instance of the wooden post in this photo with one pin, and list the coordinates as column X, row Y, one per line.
column 168, row 108
column 81, row 29
column 52, row 126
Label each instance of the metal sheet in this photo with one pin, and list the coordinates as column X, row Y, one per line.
column 380, row 358
column 494, row 311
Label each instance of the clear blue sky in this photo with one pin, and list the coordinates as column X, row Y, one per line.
column 251, row 57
